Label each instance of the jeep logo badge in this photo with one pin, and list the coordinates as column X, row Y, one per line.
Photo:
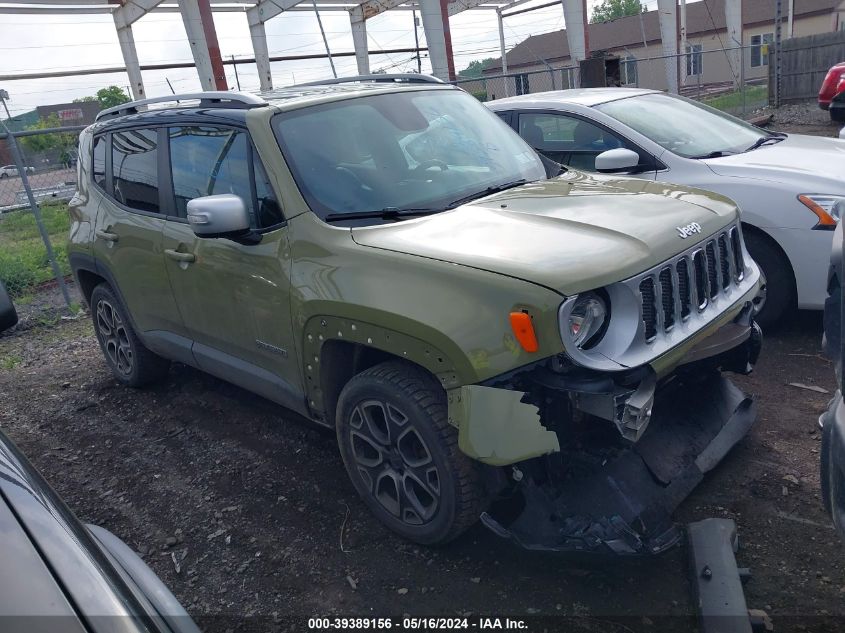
column 689, row 229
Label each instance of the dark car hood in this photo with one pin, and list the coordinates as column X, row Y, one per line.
column 572, row 233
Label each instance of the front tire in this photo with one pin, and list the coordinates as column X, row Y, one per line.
column 779, row 296
column 402, row 454
column 130, row 362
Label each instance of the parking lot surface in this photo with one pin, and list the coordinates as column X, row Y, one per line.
column 245, row 510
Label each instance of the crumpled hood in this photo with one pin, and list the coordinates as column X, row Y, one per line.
column 574, row 233
column 812, row 161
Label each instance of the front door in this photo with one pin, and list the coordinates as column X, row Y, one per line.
column 129, row 227
column 234, row 298
column 574, row 141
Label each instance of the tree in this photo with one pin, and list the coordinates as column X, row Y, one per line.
column 107, row 97
column 475, row 68
column 62, row 144
column 613, row 9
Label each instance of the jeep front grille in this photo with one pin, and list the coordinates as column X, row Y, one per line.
column 690, row 282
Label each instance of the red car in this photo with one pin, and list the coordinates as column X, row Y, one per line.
column 832, row 93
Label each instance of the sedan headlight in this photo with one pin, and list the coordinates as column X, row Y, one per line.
column 587, row 320
column 827, row 209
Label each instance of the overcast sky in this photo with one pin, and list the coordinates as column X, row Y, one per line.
column 32, row 43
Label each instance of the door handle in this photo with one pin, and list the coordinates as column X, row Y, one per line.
column 108, row 237
column 180, row 257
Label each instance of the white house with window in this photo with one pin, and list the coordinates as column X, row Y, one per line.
column 636, row 42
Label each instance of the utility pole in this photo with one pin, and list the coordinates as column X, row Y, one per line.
column 778, row 35
column 325, row 41
column 417, row 41
column 237, row 79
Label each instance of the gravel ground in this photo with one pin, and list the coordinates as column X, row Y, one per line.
column 255, row 506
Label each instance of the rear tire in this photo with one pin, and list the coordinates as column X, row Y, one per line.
column 402, row 454
column 130, row 362
column 779, row 293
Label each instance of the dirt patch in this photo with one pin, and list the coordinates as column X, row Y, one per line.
column 251, row 500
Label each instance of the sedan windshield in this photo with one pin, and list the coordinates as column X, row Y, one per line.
column 399, row 154
column 685, row 127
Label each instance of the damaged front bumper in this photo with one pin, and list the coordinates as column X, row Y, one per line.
column 623, row 503
column 585, row 485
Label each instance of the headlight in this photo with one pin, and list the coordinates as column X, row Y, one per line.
column 826, row 208
column 587, row 320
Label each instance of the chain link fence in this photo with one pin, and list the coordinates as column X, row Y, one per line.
column 734, row 80
column 37, row 179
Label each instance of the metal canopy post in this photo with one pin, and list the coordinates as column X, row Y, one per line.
column 124, row 17
column 199, row 26
column 432, row 19
column 359, row 40
column 502, row 50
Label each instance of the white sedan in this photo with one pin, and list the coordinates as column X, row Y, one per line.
column 786, row 185
column 11, row 170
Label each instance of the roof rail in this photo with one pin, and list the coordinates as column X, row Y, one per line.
column 399, row 78
column 209, row 99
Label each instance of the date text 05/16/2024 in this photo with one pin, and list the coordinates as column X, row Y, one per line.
column 417, row 624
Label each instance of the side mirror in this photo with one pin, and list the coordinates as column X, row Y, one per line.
column 223, row 215
column 617, row 161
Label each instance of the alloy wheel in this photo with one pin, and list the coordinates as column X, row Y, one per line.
column 114, row 337
column 394, row 462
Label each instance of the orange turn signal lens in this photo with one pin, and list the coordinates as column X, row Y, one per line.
column 826, row 221
column 523, row 330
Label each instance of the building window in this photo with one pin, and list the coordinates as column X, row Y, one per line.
column 760, row 49
column 628, row 71
column 521, row 84
column 567, row 78
column 694, row 60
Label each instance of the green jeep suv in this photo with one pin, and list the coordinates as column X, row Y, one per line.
column 490, row 335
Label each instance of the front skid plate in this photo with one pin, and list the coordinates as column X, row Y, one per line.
column 624, row 505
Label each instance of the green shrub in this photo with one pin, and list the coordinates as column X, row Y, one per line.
column 23, row 256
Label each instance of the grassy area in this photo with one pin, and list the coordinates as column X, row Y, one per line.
column 23, row 257
column 755, row 96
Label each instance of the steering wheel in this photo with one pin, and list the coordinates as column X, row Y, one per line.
column 349, row 175
column 432, row 162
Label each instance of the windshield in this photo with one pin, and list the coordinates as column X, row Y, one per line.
column 419, row 150
column 684, row 127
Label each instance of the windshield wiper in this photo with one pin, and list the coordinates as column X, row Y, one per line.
column 718, row 153
column 388, row 213
column 486, row 192
column 777, row 138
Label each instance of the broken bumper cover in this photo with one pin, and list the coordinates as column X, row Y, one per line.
column 623, row 505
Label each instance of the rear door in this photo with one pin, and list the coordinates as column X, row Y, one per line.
column 129, row 225
column 234, row 298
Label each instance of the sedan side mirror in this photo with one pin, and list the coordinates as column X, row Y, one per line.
column 617, row 161
column 222, row 215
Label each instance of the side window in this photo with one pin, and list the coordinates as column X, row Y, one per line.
column 268, row 211
column 207, row 161
column 98, row 169
column 135, row 169
column 565, row 133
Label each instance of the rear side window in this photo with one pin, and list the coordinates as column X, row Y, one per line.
column 135, row 169
column 99, row 163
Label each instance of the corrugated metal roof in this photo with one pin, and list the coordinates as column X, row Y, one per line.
column 702, row 17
